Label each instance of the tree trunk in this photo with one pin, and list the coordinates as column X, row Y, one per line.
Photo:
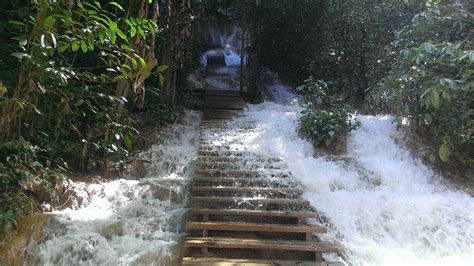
column 174, row 53
column 169, row 87
column 257, row 96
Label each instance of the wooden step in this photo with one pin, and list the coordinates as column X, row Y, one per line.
column 192, row 261
column 226, row 153
column 215, row 106
column 232, row 93
column 218, row 148
column 242, row 173
column 236, row 166
column 255, row 227
column 245, row 180
column 227, row 172
column 239, row 243
column 213, row 111
column 255, row 213
column 217, row 118
column 236, row 159
column 289, row 191
column 221, row 114
column 263, row 201
column 213, row 121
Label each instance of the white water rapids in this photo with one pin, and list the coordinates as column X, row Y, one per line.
column 127, row 222
column 386, row 207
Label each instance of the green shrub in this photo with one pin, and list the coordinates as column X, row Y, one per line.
column 326, row 118
column 323, row 127
column 26, row 179
column 432, row 82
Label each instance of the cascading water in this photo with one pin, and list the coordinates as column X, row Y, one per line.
column 386, row 207
column 127, row 222
column 223, row 74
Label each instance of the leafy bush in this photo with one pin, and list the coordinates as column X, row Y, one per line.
column 432, row 82
column 24, row 174
column 326, row 118
column 317, row 91
column 323, row 127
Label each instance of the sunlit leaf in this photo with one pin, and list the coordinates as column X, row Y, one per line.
column 162, row 68
column 19, row 55
column 117, row 5
column 84, row 46
column 128, row 142
column 444, row 152
column 75, row 46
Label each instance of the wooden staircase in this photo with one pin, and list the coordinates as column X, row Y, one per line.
column 251, row 216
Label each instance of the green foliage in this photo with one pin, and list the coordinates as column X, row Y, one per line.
column 157, row 112
column 317, row 91
column 58, row 71
column 72, row 58
column 432, row 82
column 343, row 41
column 23, row 172
column 323, row 127
column 326, row 117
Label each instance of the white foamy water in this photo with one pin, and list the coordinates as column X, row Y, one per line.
column 128, row 222
column 387, row 208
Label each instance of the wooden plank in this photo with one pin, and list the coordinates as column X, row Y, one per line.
column 248, row 190
column 241, row 173
column 191, row 261
column 226, row 153
column 293, row 202
column 245, row 180
column 236, row 159
column 228, row 172
column 207, row 147
column 218, row 118
column 225, row 107
column 255, row 227
column 234, row 166
column 223, row 92
column 213, row 111
column 239, row 243
column 255, row 213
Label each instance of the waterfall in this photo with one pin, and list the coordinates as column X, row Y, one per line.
column 127, row 221
column 385, row 206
